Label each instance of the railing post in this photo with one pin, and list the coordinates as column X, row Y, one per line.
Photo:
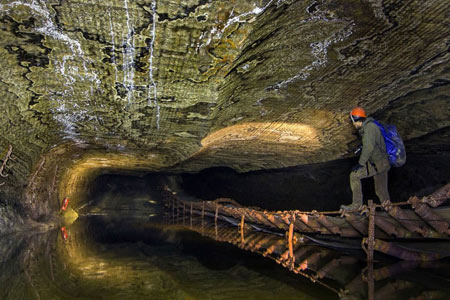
column 371, row 232
column 217, row 214
column 370, row 250
column 290, row 241
column 241, row 229
column 370, row 281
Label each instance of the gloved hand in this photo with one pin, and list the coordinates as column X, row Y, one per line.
column 357, row 167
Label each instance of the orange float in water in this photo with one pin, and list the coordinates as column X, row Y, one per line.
column 64, row 233
column 65, row 203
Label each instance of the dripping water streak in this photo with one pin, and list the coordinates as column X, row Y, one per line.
column 50, row 29
column 238, row 19
column 65, row 112
column 113, row 47
column 217, row 34
column 128, row 57
column 318, row 49
column 152, row 85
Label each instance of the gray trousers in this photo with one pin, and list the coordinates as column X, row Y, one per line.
column 380, row 179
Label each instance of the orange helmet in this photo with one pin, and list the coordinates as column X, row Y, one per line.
column 357, row 113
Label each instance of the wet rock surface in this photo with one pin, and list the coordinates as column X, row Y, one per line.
column 10, row 220
column 191, row 84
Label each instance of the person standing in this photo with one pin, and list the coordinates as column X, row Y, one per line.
column 373, row 161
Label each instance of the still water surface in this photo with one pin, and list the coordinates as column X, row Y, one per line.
column 101, row 258
column 106, row 260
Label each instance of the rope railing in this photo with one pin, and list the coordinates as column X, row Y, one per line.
column 371, row 223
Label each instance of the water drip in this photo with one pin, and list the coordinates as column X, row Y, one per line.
column 113, row 43
column 152, row 91
column 128, row 57
column 318, row 49
column 64, row 112
column 242, row 18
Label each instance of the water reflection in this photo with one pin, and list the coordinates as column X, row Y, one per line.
column 97, row 258
column 104, row 257
column 344, row 273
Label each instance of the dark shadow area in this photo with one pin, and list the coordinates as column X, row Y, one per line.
column 125, row 197
column 125, row 186
column 323, row 186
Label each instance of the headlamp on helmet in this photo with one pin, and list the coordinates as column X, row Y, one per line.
column 357, row 114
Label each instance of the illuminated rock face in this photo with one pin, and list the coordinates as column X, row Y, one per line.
column 189, row 84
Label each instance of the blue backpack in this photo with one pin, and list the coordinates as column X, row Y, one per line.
column 394, row 144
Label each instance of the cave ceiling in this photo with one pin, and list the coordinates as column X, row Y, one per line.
column 247, row 84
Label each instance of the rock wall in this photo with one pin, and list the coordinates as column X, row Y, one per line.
column 251, row 85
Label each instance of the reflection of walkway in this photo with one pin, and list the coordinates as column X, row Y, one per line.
column 341, row 273
column 46, row 266
column 376, row 226
column 119, row 203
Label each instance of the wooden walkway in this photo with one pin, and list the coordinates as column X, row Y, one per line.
column 376, row 227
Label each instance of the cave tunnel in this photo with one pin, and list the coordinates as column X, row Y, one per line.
column 202, row 149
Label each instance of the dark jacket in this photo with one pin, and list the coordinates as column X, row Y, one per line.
column 374, row 149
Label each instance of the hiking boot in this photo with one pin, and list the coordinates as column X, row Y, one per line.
column 353, row 206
